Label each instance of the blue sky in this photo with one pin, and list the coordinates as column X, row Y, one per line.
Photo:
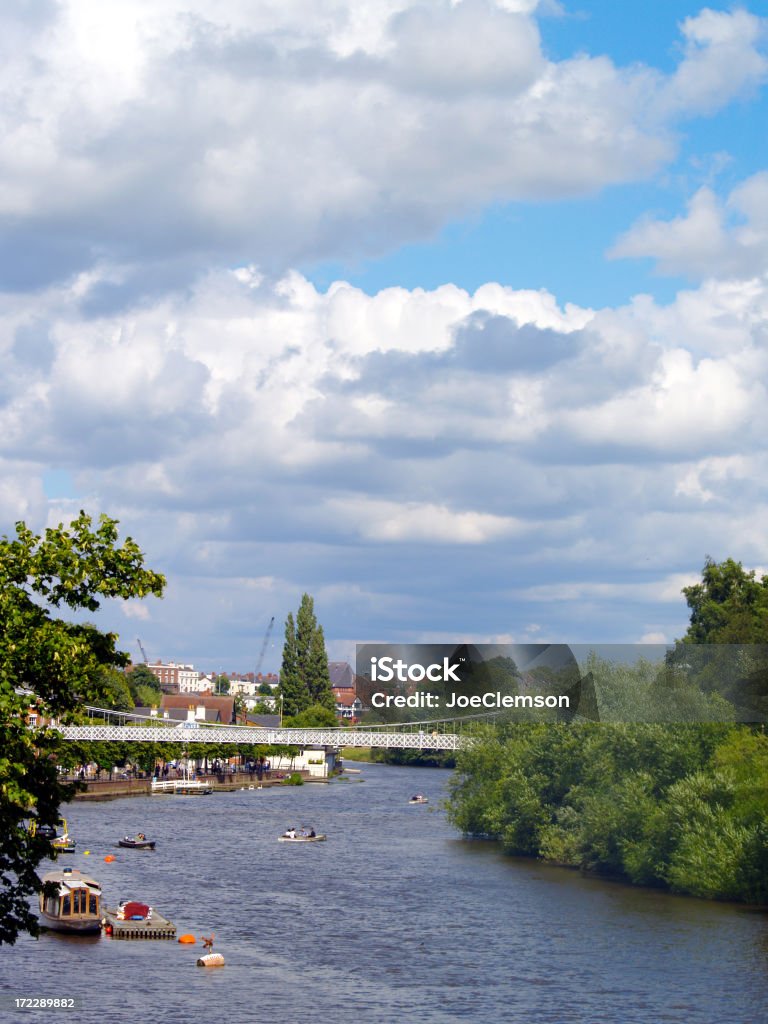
column 452, row 314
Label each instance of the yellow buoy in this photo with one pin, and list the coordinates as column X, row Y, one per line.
column 86, row 853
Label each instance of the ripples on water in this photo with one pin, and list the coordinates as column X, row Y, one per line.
column 394, row 918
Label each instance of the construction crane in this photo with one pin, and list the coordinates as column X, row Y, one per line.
column 263, row 650
column 143, row 652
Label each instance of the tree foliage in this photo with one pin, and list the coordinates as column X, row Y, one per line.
column 667, row 789
column 51, row 665
column 728, row 606
column 677, row 807
column 304, row 675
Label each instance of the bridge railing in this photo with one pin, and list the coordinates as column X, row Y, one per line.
column 429, row 734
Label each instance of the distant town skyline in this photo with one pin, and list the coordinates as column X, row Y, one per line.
column 452, row 315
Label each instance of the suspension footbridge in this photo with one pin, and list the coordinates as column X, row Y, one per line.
column 123, row 726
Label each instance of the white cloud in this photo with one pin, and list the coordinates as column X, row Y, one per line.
column 712, row 239
column 136, row 611
column 654, row 638
column 167, row 136
column 388, row 521
column 414, row 458
column 721, row 60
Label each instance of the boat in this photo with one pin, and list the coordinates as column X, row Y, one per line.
column 137, row 842
column 419, row 798
column 301, row 836
column 74, row 905
column 61, row 843
column 64, row 843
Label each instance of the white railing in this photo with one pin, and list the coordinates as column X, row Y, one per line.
column 251, row 735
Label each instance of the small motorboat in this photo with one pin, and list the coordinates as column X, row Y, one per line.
column 419, row 798
column 74, row 906
column 302, row 835
column 137, row 842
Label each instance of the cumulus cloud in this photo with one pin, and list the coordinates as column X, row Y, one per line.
column 247, row 429
column 413, row 456
column 722, row 60
column 166, row 136
column 714, row 238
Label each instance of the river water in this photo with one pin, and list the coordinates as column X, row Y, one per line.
column 394, row 918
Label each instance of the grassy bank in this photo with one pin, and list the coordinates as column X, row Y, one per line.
column 356, row 754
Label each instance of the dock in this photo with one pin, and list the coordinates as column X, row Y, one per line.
column 158, row 927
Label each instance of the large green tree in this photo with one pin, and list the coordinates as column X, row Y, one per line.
column 52, row 666
column 729, row 606
column 304, row 676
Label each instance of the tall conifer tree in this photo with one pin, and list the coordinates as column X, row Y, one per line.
column 304, row 677
column 293, row 691
column 319, row 679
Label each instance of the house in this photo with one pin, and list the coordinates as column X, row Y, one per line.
column 342, row 676
column 175, row 678
column 207, row 708
column 348, row 706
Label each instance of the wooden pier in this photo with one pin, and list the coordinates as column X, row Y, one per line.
column 157, row 927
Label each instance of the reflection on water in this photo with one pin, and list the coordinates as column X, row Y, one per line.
column 394, row 918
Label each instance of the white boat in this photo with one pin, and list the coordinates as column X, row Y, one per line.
column 291, row 836
column 419, row 799
column 74, row 906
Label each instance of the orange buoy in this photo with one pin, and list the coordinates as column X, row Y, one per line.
column 109, row 858
column 190, row 939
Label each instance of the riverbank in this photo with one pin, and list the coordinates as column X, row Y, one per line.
column 356, row 754
column 112, row 789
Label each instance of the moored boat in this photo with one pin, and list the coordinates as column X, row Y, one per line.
column 64, row 843
column 74, row 905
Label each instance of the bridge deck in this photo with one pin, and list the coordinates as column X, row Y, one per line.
column 414, row 740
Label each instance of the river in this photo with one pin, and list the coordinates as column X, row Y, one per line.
column 394, row 918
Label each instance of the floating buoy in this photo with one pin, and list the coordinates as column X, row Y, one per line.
column 109, row 858
column 86, row 853
column 108, row 929
column 190, row 939
column 211, row 960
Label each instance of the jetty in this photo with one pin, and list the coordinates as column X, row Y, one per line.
column 154, row 927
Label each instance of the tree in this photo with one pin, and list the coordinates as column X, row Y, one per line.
column 52, row 666
column 318, row 675
column 140, row 675
column 116, row 690
column 304, row 676
column 294, row 695
column 146, row 696
column 316, row 716
column 729, row 606
column 221, row 685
